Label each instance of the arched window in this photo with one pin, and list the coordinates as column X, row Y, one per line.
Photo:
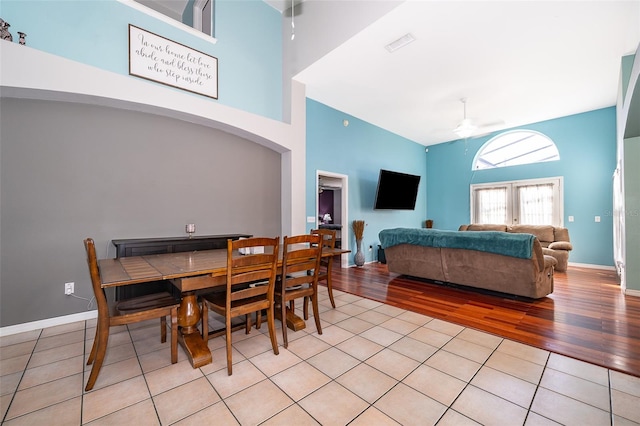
column 514, row 148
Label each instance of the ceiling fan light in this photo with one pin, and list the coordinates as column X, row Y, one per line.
column 465, row 128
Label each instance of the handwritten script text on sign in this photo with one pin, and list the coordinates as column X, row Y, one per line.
column 159, row 59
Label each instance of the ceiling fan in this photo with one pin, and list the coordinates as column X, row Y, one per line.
column 467, row 128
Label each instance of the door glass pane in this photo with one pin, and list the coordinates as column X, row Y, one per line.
column 492, row 205
column 535, row 204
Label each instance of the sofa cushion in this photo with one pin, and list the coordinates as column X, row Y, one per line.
column 542, row 232
column 561, row 234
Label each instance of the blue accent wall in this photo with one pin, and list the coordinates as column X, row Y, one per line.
column 95, row 32
column 249, row 37
column 359, row 151
column 587, row 146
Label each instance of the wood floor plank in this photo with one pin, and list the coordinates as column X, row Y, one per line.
column 586, row 317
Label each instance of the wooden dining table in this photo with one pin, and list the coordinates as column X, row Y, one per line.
column 188, row 272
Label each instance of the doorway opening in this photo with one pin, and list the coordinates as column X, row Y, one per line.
column 332, row 208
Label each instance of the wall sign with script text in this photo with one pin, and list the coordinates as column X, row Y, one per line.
column 159, row 59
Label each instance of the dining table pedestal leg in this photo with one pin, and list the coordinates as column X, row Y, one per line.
column 293, row 321
column 189, row 336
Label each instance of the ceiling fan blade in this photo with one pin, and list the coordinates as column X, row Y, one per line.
column 494, row 123
column 488, row 128
column 471, row 128
column 480, row 135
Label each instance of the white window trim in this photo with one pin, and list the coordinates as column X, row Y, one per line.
column 198, row 7
column 159, row 16
column 557, row 181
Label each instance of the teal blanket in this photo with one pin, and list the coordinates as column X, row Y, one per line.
column 514, row 245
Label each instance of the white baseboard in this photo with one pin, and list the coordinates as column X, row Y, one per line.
column 634, row 293
column 49, row 322
column 590, row 266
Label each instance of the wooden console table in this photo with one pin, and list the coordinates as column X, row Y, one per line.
column 147, row 246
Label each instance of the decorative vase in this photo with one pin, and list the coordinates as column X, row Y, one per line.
column 359, row 256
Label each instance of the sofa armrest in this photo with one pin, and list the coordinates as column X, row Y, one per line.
column 560, row 245
column 549, row 261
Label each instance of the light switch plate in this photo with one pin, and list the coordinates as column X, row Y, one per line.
column 311, row 219
column 597, row 218
column 570, row 218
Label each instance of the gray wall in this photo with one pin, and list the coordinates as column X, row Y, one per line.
column 71, row 171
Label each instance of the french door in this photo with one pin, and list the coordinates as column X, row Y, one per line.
column 527, row 202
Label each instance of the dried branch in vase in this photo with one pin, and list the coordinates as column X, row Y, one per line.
column 358, row 229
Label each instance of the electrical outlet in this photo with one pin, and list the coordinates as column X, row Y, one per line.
column 68, row 288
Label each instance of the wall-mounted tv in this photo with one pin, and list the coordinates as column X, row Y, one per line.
column 396, row 191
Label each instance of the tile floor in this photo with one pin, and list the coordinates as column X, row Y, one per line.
column 373, row 365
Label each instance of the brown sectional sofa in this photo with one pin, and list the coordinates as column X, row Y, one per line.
column 554, row 239
column 529, row 277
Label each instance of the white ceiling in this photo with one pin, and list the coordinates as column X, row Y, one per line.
column 516, row 62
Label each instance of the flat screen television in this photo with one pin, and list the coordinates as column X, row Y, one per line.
column 396, row 191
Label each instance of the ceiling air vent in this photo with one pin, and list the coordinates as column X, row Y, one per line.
column 399, row 43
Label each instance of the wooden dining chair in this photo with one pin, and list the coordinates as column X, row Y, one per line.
column 249, row 288
column 326, row 263
column 328, row 238
column 299, row 277
column 127, row 311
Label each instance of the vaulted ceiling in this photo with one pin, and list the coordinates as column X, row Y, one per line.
column 515, row 62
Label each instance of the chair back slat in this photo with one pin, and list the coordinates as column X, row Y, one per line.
column 250, row 292
column 250, row 277
column 252, row 260
column 299, row 254
column 299, row 265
